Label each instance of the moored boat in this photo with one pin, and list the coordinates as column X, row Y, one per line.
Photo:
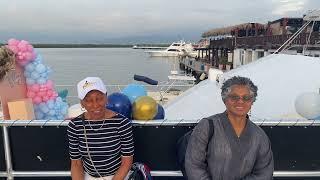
column 176, row 49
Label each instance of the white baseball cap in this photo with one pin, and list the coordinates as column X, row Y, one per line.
column 88, row 84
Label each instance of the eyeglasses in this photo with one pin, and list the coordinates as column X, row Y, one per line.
column 236, row 98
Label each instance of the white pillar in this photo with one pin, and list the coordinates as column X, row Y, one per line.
column 255, row 55
column 236, row 58
column 266, row 53
column 247, row 56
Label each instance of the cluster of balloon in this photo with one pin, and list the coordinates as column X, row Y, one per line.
column 23, row 50
column 308, row 105
column 134, row 103
column 40, row 89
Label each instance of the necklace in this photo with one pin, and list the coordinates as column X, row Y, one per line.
column 99, row 127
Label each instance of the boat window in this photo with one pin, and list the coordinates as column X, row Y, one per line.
column 176, row 50
column 175, row 45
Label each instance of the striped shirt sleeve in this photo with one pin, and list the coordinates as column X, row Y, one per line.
column 73, row 140
column 126, row 137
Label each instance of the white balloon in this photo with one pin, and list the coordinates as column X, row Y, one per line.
column 308, row 105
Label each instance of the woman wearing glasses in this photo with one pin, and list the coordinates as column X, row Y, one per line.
column 238, row 149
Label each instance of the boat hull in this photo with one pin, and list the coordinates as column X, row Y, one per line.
column 164, row 54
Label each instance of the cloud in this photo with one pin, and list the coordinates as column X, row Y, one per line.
column 74, row 19
column 288, row 7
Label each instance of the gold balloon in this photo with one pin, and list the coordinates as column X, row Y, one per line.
column 144, row 108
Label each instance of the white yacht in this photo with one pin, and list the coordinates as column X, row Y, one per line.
column 176, row 49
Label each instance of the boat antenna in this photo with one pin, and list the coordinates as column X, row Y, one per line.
column 310, row 17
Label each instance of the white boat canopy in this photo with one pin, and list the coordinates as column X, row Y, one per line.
column 280, row 79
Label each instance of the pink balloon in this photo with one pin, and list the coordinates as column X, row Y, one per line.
column 45, row 98
column 29, row 48
column 49, row 84
column 42, row 93
column 34, row 55
column 43, row 87
column 24, row 42
column 13, row 42
column 23, row 63
column 35, row 87
column 31, row 94
column 28, row 56
column 22, row 47
column 49, row 93
column 29, row 88
column 37, row 100
column 13, row 48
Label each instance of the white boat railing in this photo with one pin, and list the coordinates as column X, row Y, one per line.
column 153, row 173
column 10, row 173
column 163, row 88
column 164, row 122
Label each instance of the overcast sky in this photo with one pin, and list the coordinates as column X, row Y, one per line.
column 127, row 21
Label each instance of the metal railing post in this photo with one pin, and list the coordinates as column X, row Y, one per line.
column 7, row 152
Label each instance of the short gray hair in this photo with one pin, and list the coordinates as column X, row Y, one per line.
column 241, row 81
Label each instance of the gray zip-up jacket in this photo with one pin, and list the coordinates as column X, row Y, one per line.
column 229, row 157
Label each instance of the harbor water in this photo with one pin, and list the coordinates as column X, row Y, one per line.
column 116, row 66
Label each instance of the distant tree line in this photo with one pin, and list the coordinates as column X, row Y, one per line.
column 92, row 45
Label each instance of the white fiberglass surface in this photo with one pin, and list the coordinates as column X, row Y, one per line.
column 280, row 79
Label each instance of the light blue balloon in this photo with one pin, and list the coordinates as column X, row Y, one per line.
column 38, row 59
column 40, row 68
column 52, row 112
column 50, row 104
column 41, row 81
column 49, row 70
column 35, row 75
column 133, row 91
column 29, row 67
column 39, row 114
column 52, row 118
column 36, row 107
column 42, row 104
column 59, row 100
column 44, row 75
column 64, row 110
column 30, row 81
column 44, row 109
column 27, row 74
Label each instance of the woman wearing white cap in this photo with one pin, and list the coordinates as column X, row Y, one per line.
column 100, row 140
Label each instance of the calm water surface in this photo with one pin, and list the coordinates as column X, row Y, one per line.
column 113, row 65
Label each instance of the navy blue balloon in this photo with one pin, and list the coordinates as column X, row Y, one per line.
column 160, row 114
column 120, row 103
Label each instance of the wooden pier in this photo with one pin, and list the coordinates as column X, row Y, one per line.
column 237, row 45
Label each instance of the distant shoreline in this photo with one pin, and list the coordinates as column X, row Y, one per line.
column 92, row 45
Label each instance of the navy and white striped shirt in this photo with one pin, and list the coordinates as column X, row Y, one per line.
column 108, row 140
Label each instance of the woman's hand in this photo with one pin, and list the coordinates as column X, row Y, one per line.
column 126, row 162
column 77, row 172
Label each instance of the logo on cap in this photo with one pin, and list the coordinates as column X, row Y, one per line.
column 88, row 84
